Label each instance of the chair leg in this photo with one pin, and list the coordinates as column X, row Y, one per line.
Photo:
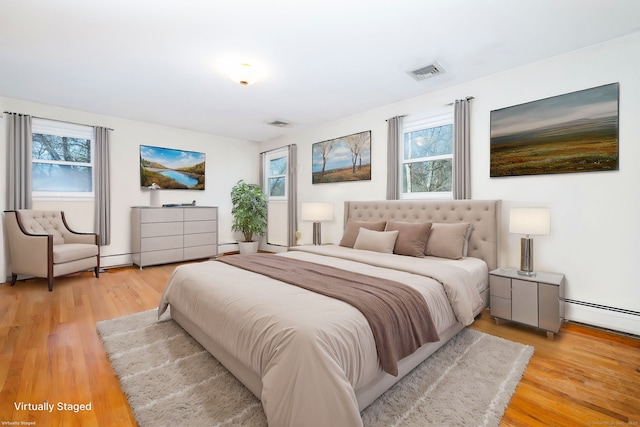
column 50, row 282
column 13, row 279
column 96, row 271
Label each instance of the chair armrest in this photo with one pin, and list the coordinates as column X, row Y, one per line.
column 29, row 252
column 78, row 237
column 88, row 238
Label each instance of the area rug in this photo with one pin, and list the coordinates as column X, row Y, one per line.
column 169, row 379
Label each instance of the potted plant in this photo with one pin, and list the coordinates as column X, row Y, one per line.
column 249, row 214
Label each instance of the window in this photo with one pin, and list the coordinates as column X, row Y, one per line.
column 62, row 159
column 275, row 167
column 426, row 156
column 277, row 178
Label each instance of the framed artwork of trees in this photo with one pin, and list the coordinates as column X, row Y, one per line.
column 347, row 158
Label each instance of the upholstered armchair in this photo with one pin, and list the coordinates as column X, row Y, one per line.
column 41, row 244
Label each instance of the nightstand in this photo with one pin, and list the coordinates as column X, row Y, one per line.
column 531, row 300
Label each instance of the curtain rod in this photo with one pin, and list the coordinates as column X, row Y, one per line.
column 55, row 120
column 468, row 98
column 276, row 149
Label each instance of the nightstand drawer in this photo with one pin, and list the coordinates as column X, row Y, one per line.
column 500, row 286
column 500, row 307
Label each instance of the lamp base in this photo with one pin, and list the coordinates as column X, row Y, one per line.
column 316, row 233
column 526, row 273
column 154, row 198
column 526, row 257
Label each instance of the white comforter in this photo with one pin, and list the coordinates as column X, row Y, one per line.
column 312, row 351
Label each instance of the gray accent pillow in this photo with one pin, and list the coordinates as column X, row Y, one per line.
column 376, row 241
column 353, row 227
column 412, row 237
column 447, row 240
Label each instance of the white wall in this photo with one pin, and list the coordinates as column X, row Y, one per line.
column 227, row 161
column 595, row 216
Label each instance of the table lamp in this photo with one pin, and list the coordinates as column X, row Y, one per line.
column 317, row 212
column 528, row 221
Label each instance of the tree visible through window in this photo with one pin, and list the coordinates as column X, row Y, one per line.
column 62, row 159
column 277, row 177
column 427, row 157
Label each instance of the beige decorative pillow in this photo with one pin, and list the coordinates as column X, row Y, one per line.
column 447, row 240
column 353, row 227
column 412, row 237
column 376, row 241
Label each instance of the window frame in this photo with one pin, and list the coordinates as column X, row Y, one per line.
column 275, row 155
column 416, row 122
column 65, row 129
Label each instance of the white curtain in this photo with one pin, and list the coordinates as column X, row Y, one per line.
column 394, row 137
column 102, row 186
column 461, row 149
column 19, row 180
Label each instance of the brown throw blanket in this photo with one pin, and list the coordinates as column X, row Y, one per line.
column 397, row 314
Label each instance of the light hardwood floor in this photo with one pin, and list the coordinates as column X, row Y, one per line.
column 50, row 351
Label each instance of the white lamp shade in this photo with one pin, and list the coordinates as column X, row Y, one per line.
column 530, row 221
column 317, row 211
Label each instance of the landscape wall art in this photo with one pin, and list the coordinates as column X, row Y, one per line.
column 575, row 132
column 172, row 169
column 347, row 158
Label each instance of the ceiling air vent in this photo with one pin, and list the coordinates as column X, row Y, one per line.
column 427, row 71
column 278, row 123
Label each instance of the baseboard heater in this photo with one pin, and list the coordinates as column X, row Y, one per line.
column 614, row 318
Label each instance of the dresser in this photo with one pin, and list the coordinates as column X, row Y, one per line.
column 161, row 235
column 531, row 300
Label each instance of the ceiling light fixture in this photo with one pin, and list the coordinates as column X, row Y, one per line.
column 244, row 75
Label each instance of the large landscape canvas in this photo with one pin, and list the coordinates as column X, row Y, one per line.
column 170, row 168
column 347, row 158
column 574, row 132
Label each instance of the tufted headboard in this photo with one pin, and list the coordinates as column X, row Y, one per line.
column 482, row 214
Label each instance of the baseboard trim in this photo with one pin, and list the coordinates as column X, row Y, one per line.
column 119, row 260
column 612, row 318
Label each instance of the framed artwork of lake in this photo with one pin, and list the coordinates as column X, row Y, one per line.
column 171, row 169
column 347, row 158
column 574, row 132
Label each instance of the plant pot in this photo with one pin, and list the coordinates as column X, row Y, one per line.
column 247, row 248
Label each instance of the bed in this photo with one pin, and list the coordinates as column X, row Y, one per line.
column 312, row 359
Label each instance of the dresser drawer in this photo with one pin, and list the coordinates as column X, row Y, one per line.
column 160, row 243
column 500, row 286
column 162, row 215
column 195, row 227
column 199, row 214
column 161, row 257
column 201, row 239
column 157, row 229
column 197, row 252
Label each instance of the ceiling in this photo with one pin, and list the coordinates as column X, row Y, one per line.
column 162, row 61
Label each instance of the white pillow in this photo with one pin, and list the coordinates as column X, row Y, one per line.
column 377, row 241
